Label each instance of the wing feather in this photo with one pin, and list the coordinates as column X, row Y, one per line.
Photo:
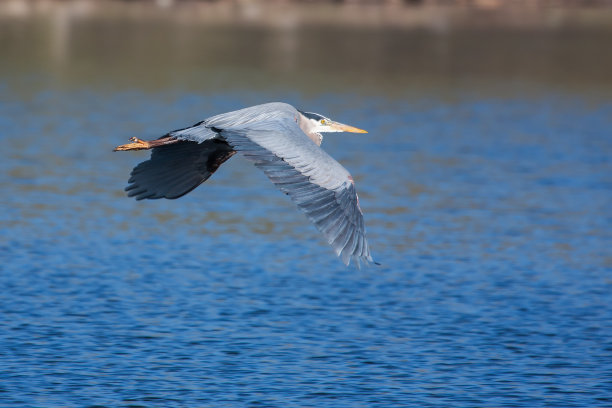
column 315, row 182
column 175, row 169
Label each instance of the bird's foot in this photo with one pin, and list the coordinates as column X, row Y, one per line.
column 136, row 145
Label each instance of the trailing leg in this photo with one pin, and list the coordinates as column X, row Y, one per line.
column 138, row 144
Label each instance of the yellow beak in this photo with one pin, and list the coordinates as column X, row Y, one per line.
column 346, row 128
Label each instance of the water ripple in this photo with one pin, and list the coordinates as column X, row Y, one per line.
column 493, row 233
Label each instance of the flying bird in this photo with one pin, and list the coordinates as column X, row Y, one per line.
column 280, row 140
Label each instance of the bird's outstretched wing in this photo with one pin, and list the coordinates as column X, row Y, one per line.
column 317, row 183
column 189, row 156
column 175, row 169
column 268, row 135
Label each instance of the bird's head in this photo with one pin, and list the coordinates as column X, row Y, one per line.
column 320, row 124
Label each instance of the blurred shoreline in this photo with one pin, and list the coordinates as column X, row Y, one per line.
column 391, row 48
column 434, row 15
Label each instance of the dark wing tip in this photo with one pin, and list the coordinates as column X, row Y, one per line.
column 176, row 169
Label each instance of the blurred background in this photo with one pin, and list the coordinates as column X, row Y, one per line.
column 485, row 179
column 398, row 47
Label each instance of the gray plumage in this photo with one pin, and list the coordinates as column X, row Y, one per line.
column 281, row 141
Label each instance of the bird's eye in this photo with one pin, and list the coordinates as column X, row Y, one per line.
column 323, row 121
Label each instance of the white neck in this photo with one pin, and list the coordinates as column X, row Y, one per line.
column 312, row 128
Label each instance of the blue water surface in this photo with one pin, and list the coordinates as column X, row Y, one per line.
column 491, row 219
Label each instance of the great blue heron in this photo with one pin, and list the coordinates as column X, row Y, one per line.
column 283, row 142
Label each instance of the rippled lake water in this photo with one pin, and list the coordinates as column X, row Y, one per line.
column 491, row 217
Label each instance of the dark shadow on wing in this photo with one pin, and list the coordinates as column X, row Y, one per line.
column 176, row 169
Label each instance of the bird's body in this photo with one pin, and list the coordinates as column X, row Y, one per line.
column 280, row 140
